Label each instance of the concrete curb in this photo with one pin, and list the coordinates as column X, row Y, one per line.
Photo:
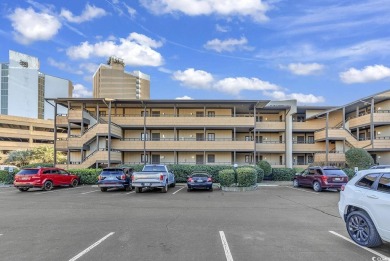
column 239, row 189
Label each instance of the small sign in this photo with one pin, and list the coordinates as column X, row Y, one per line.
column 11, row 169
column 356, row 169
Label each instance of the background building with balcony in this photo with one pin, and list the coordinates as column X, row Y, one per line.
column 24, row 88
column 101, row 132
column 112, row 81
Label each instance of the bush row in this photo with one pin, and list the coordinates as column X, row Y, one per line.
column 6, row 177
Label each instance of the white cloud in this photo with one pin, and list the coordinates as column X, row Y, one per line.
column 233, row 86
column 368, row 74
column 89, row 13
column 222, row 29
column 80, row 91
column 304, row 69
column 236, row 85
column 132, row 12
column 228, row 45
column 30, row 26
column 89, row 67
column 194, row 78
column 255, row 9
column 184, row 98
column 63, row 66
column 135, row 50
column 301, row 98
column 165, row 70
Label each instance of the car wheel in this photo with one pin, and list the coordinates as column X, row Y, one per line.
column 75, row 182
column 173, row 184
column 103, row 189
column 23, row 189
column 295, row 183
column 362, row 230
column 48, row 185
column 138, row 190
column 165, row 188
column 317, row 186
column 128, row 188
column 189, row 189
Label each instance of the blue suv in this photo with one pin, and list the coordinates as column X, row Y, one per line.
column 115, row 178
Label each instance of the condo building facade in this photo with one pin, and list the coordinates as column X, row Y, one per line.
column 106, row 132
column 112, row 81
column 24, row 88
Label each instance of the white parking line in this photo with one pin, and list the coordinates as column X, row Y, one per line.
column 177, row 190
column 302, row 190
column 89, row 192
column 91, row 246
column 130, row 192
column 225, row 245
column 57, row 190
column 365, row 248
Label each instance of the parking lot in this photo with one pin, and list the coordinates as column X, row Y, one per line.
column 83, row 223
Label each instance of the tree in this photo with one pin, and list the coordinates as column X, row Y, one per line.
column 360, row 158
column 45, row 154
column 265, row 166
column 19, row 157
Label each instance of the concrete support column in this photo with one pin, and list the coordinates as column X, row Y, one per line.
column 372, row 130
column 288, row 138
column 326, row 137
column 55, row 134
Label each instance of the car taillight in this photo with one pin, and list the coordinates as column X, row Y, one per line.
column 324, row 178
column 161, row 177
column 132, row 177
column 123, row 177
column 189, row 180
column 342, row 187
column 209, row 180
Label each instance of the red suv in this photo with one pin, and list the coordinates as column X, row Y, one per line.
column 45, row 178
column 320, row 178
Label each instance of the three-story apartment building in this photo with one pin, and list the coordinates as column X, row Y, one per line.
column 101, row 132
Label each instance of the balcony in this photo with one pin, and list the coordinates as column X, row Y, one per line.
column 182, row 145
column 100, row 129
column 334, row 157
column 271, row 125
column 308, row 147
column 182, row 120
column 271, row 146
column 75, row 116
column 100, row 156
column 62, row 144
column 62, row 120
column 381, row 116
column 308, row 125
column 340, row 134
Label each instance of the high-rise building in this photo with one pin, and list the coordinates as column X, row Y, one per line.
column 112, row 81
column 24, row 88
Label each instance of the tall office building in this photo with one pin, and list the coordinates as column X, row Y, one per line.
column 24, row 88
column 112, row 81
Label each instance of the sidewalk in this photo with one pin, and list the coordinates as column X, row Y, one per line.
column 275, row 183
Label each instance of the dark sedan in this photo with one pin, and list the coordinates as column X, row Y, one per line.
column 200, row 180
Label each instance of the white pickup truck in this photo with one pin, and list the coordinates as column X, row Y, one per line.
column 153, row 176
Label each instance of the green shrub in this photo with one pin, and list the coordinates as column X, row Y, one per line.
column 260, row 174
column 350, row 172
column 360, row 158
column 181, row 172
column 283, row 174
column 36, row 165
column 226, row 177
column 265, row 166
column 87, row 176
column 6, row 177
column 246, row 176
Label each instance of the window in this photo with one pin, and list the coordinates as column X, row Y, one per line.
column 155, row 136
column 144, row 158
column 199, row 114
column 259, row 118
column 155, row 113
column 248, row 158
column 310, row 159
column 300, row 139
column 310, row 139
column 259, row 139
column 248, row 138
column 144, row 136
column 199, row 136
column 211, row 113
column 367, row 180
column 144, row 113
column 384, row 183
column 281, row 160
column 211, row 136
column 210, row 158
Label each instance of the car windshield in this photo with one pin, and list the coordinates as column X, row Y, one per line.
column 28, row 172
column 200, row 175
column 334, row 172
column 154, row 168
column 107, row 172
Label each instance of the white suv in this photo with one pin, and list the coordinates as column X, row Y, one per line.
column 365, row 207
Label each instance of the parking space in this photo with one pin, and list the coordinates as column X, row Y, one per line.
column 83, row 223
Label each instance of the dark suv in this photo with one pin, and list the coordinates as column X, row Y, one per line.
column 320, row 178
column 115, row 178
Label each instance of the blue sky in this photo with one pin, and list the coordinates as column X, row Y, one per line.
column 326, row 52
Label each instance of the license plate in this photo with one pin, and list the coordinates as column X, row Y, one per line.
column 24, row 178
column 199, row 180
column 337, row 179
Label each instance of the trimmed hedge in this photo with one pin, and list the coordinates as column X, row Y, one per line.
column 6, row 177
column 265, row 166
column 87, row 176
column 283, row 174
column 246, row 176
column 350, row 172
column 226, row 177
